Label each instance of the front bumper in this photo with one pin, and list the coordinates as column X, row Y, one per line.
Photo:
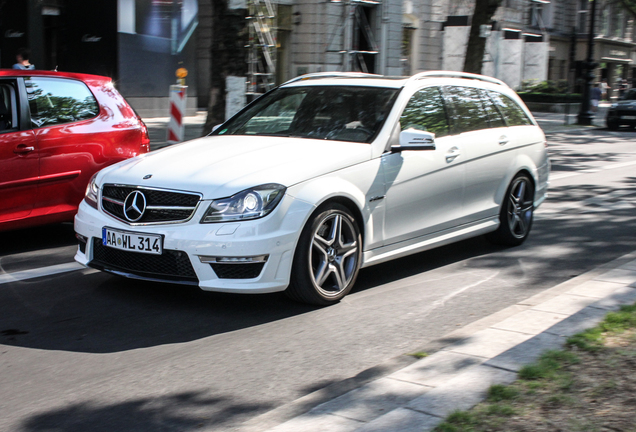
column 623, row 119
column 190, row 249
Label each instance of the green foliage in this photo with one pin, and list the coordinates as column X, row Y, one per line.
column 623, row 319
column 547, row 87
column 590, row 340
column 457, row 421
column 498, row 393
column 550, row 97
column 547, row 92
column 419, row 354
column 503, row 410
column 548, row 365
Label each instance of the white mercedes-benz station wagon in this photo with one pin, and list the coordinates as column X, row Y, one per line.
column 320, row 177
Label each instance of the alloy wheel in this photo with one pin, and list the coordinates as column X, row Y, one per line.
column 334, row 253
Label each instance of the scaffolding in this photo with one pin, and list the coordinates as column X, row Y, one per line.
column 355, row 36
column 261, row 48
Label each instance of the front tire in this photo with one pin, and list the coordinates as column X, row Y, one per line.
column 327, row 259
column 516, row 214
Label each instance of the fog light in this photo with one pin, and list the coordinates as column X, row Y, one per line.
column 233, row 260
column 81, row 242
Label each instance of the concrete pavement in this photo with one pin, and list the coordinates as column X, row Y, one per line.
column 489, row 351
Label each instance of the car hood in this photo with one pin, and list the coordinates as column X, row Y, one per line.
column 220, row 166
column 626, row 104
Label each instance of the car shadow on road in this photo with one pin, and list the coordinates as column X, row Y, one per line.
column 184, row 411
column 94, row 312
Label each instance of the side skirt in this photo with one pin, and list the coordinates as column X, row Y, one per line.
column 431, row 241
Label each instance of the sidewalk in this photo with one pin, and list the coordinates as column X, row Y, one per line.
column 549, row 122
column 490, row 351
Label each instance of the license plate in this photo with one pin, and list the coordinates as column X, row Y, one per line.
column 132, row 241
column 629, row 117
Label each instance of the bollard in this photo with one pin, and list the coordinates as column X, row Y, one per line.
column 176, row 128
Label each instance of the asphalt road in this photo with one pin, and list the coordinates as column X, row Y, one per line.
column 86, row 351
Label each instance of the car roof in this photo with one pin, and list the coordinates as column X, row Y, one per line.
column 94, row 80
column 372, row 80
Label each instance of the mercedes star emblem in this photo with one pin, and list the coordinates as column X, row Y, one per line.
column 134, row 206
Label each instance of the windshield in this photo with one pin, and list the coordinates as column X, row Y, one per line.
column 630, row 95
column 345, row 113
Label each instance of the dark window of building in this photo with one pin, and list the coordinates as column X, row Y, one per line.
column 426, row 111
column 55, row 101
column 512, row 112
column 468, row 113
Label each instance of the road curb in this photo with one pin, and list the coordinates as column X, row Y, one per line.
column 489, row 351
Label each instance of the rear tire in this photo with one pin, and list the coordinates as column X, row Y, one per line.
column 516, row 214
column 327, row 258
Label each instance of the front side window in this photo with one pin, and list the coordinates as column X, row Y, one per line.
column 345, row 113
column 512, row 112
column 467, row 108
column 425, row 111
column 56, row 101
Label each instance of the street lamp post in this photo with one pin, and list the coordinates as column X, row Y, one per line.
column 585, row 115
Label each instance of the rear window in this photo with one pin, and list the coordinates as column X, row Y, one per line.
column 56, row 101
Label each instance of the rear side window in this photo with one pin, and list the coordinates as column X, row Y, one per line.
column 426, row 111
column 55, row 101
column 468, row 109
column 8, row 106
column 512, row 112
column 494, row 115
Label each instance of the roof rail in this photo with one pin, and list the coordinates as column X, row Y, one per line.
column 453, row 74
column 318, row 75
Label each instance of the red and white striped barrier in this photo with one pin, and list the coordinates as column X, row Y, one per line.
column 178, row 97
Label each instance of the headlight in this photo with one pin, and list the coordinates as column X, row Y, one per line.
column 249, row 204
column 91, row 192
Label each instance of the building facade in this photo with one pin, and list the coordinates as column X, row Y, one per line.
column 141, row 43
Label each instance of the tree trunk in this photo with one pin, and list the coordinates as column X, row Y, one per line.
column 484, row 10
column 229, row 37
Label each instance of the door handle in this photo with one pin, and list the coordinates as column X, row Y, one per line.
column 503, row 140
column 23, row 149
column 452, row 154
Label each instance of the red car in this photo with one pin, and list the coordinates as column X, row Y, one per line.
column 57, row 130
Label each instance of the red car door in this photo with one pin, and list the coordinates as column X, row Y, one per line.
column 71, row 141
column 19, row 165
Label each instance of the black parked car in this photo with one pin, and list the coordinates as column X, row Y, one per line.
column 623, row 112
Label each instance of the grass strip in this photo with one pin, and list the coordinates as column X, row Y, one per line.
column 587, row 386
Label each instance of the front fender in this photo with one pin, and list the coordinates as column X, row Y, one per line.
column 361, row 186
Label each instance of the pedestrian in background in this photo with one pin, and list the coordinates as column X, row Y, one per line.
column 595, row 96
column 622, row 88
column 22, row 58
column 604, row 90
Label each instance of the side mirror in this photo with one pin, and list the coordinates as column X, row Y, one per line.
column 414, row 139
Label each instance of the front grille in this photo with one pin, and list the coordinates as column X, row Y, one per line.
column 172, row 265
column 237, row 271
column 161, row 206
